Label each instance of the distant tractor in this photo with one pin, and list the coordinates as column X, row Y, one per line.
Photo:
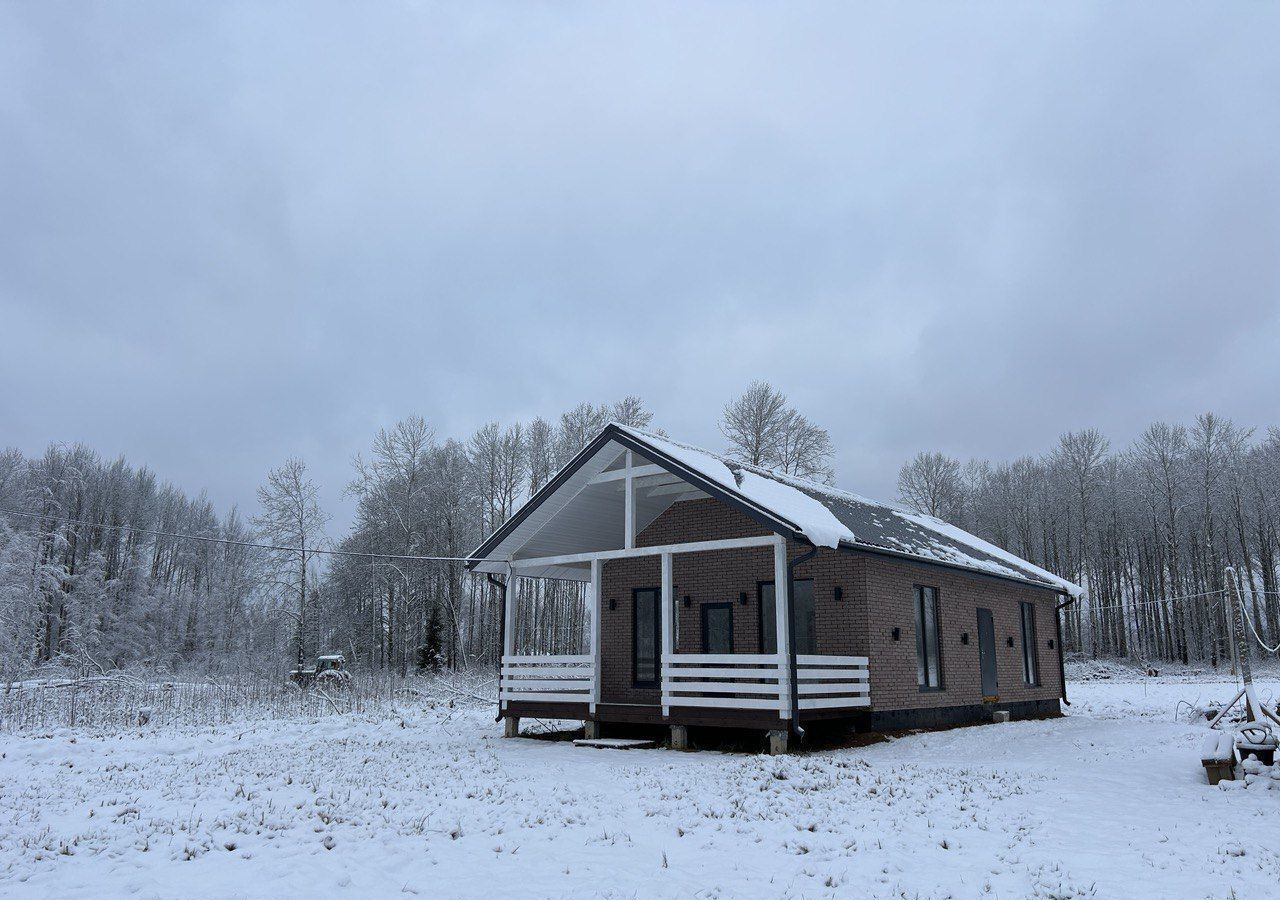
column 329, row 671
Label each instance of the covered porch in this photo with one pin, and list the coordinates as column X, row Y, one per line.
column 771, row 691
column 655, row 655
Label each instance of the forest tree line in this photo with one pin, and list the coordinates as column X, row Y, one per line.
column 95, row 573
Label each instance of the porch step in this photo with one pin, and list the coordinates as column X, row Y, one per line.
column 616, row 743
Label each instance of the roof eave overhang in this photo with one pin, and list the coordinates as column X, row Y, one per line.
column 613, row 433
column 970, row 570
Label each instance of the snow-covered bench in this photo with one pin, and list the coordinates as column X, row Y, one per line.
column 1218, row 755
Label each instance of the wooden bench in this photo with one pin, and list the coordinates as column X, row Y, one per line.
column 1218, row 756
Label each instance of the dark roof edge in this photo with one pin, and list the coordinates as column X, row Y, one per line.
column 943, row 564
column 631, row 442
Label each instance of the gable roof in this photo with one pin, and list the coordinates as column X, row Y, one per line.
column 798, row 509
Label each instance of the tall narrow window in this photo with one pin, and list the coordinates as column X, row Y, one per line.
column 717, row 628
column 644, row 636
column 1030, row 660
column 928, row 665
column 801, row 606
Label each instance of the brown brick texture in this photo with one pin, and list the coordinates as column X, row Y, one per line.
column 878, row 595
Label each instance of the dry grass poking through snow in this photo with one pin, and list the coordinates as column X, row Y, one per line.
column 439, row 806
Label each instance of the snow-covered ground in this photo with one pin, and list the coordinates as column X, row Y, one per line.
column 1108, row 802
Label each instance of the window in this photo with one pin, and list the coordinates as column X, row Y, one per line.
column 645, row 636
column 801, row 607
column 717, row 628
column 1030, row 661
column 928, row 663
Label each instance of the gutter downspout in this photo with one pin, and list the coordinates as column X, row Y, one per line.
column 502, row 634
column 1062, row 666
column 791, row 643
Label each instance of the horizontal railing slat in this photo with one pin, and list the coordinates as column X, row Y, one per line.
column 810, row 674
column 568, row 684
column 834, row 702
column 548, row 660
column 722, row 687
column 721, row 702
column 546, row 697
column 735, row 659
column 723, row 673
column 810, row 659
column 837, row 688
column 550, row 671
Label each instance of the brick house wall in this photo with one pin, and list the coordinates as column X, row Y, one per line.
column 878, row 595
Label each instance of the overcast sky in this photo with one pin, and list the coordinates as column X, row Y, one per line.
column 232, row 233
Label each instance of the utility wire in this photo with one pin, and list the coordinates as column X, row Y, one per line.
column 213, row 540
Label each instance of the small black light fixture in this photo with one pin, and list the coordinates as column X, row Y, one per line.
column 742, row 598
column 964, row 638
column 839, row 593
column 1050, row 643
column 688, row 601
column 613, row 603
column 897, row 634
column 1009, row 640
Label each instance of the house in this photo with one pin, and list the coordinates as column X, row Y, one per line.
column 722, row 594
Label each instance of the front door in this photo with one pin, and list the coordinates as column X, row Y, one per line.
column 987, row 654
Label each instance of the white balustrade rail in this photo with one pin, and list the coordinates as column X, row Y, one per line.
column 546, row 679
column 761, row 681
column 832, row 682
column 722, row 680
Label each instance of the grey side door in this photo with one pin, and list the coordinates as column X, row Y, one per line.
column 987, row 653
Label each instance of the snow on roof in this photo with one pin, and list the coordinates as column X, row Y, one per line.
column 829, row 517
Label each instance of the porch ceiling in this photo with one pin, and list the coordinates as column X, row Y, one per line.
column 585, row 516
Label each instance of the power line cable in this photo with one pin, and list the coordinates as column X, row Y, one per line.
column 227, row 541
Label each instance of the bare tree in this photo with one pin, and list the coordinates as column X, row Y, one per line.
column 932, row 484
column 755, row 425
column 291, row 517
column 805, row 450
column 630, row 411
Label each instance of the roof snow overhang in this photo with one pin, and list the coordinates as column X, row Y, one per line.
column 576, row 512
column 599, row 525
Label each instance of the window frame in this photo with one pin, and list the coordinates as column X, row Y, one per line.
column 657, row 637
column 918, row 592
column 705, row 608
column 1030, row 650
column 760, row 619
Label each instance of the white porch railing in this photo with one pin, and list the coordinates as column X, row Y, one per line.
column 761, row 681
column 832, row 682
column 722, row 680
column 546, row 679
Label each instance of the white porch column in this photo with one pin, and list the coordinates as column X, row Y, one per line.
column 782, row 617
column 629, row 525
column 668, row 601
column 594, row 590
column 508, row 626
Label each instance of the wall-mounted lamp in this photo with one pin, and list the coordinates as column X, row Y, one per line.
column 839, row 593
column 897, row 634
column 1009, row 641
column 1050, row 643
column 964, row 638
column 613, row 603
column 688, row 601
column 742, row 598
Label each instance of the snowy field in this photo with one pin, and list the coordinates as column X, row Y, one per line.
column 1109, row 802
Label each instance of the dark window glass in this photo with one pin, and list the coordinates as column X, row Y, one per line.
column 645, row 637
column 928, row 668
column 1030, row 660
column 717, row 628
column 803, row 609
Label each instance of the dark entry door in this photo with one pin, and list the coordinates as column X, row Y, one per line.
column 717, row 628
column 987, row 653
